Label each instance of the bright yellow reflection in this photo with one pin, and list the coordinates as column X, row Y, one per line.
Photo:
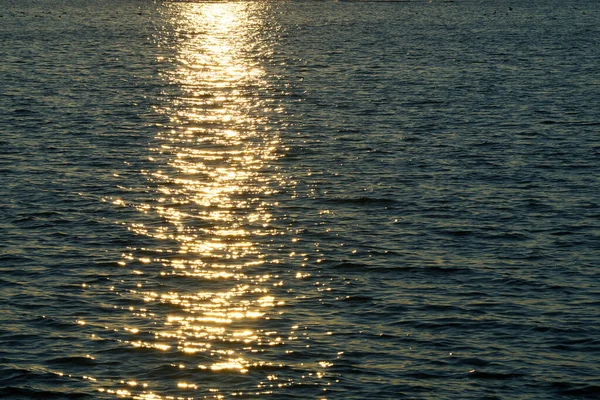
column 212, row 195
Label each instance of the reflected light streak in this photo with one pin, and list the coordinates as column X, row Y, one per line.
column 212, row 193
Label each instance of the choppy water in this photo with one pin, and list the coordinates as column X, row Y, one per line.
column 285, row 199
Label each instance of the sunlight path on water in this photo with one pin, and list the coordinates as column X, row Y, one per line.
column 208, row 214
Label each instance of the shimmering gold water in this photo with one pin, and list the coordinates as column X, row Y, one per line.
column 213, row 191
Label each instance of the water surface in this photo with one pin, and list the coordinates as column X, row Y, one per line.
column 285, row 199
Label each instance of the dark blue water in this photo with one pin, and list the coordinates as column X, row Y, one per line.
column 290, row 199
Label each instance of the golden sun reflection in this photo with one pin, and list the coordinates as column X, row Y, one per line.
column 211, row 196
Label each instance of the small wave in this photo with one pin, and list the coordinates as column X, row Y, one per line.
column 518, row 282
column 570, row 123
column 442, row 307
column 494, row 375
column 351, row 266
column 474, row 361
column 587, row 345
column 268, row 366
column 577, row 390
column 165, row 371
column 421, row 271
column 55, row 322
column 14, row 257
column 456, row 232
column 77, row 361
column 506, row 236
column 361, row 200
column 16, row 393
column 395, row 269
column 24, row 111
column 358, row 299
column 437, row 270
column 426, row 375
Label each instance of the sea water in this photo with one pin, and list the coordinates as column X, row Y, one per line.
column 299, row 199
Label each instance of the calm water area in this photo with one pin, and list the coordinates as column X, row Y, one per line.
column 299, row 199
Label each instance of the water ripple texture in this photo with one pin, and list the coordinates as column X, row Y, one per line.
column 300, row 200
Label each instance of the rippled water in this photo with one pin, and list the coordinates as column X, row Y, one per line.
column 286, row 199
